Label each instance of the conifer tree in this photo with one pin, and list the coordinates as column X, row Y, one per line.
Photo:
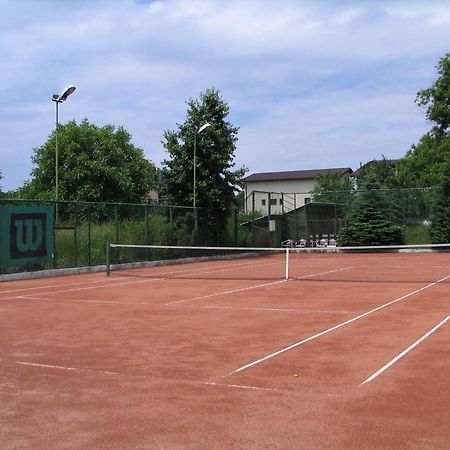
column 440, row 227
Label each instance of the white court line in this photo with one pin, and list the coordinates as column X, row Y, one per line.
column 34, row 297
column 300, row 311
column 56, row 286
column 404, row 352
column 248, row 288
column 75, row 300
column 241, row 386
column 323, row 273
column 202, row 297
column 71, row 369
column 251, row 309
column 226, row 268
column 108, row 284
column 329, row 330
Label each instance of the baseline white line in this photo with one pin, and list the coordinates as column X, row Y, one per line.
column 404, row 352
column 72, row 369
column 241, row 386
column 300, row 311
column 95, row 287
column 56, row 286
column 74, row 300
column 202, row 297
column 157, row 277
column 329, row 330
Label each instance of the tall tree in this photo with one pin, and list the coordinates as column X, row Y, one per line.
column 436, row 99
column 370, row 221
column 423, row 165
column 382, row 172
column 97, row 164
column 331, row 187
column 440, row 226
column 216, row 182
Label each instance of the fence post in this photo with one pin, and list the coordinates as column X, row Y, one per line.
column 146, row 224
column 235, row 227
column 89, row 236
column 107, row 259
column 54, row 238
column 116, row 222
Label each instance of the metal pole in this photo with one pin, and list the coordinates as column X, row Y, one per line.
column 108, row 268
column 195, row 175
column 56, row 161
column 195, row 165
column 287, row 264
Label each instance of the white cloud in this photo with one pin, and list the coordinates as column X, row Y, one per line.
column 326, row 82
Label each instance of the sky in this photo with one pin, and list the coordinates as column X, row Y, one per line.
column 310, row 84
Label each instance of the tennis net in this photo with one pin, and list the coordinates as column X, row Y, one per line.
column 420, row 263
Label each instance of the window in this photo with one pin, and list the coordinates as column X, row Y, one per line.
column 273, row 201
column 307, row 200
column 263, row 202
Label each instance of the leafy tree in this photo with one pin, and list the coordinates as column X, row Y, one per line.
column 216, row 182
column 423, row 165
column 329, row 187
column 382, row 172
column 96, row 164
column 436, row 99
column 440, row 226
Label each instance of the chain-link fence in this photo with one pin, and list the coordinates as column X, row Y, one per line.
column 276, row 217
column 81, row 231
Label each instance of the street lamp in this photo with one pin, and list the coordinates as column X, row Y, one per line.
column 203, row 127
column 59, row 99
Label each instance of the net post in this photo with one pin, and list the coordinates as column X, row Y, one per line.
column 107, row 259
column 287, row 263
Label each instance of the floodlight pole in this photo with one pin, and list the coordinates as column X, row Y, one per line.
column 59, row 99
column 203, row 127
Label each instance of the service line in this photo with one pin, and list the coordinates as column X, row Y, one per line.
column 233, row 291
column 404, row 352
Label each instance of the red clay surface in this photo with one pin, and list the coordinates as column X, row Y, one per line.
column 90, row 362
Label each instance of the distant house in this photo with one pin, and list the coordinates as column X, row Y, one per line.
column 281, row 192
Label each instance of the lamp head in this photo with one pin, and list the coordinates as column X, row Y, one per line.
column 64, row 94
column 203, row 127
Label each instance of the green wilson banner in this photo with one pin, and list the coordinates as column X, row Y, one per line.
column 26, row 235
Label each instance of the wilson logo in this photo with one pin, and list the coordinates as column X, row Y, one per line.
column 28, row 235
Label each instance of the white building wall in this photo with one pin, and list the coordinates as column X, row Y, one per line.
column 295, row 194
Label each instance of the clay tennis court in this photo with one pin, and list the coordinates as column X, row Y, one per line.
column 157, row 358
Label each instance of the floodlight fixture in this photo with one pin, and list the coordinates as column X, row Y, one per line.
column 59, row 99
column 202, row 128
column 64, row 94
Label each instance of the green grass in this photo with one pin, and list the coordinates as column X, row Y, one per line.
column 417, row 234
